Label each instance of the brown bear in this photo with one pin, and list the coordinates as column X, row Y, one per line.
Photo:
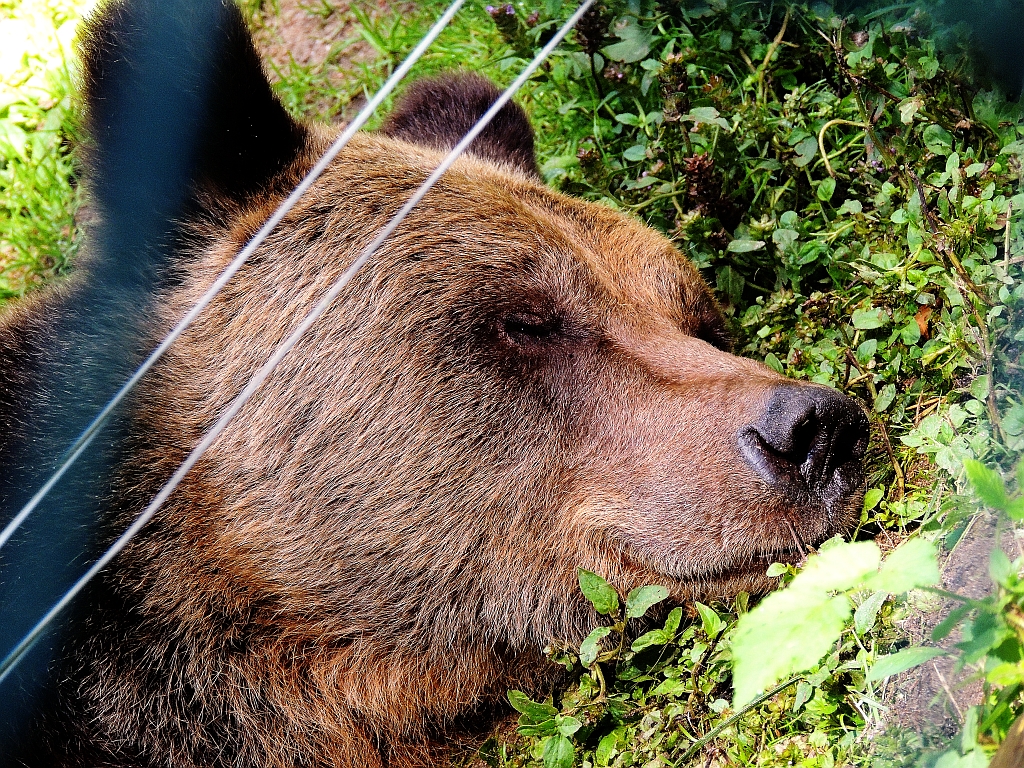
column 519, row 385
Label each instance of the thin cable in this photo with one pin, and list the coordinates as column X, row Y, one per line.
column 243, row 397
column 83, row 441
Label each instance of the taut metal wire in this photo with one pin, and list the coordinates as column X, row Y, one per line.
column 243, row 397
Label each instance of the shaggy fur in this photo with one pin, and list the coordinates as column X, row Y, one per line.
column 384, row 540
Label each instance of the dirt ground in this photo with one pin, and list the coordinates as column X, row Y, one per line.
column 934, row 697
column 317, row 43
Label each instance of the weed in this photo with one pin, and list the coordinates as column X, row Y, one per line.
column 38, row 193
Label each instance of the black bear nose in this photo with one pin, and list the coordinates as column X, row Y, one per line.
column 809, row 444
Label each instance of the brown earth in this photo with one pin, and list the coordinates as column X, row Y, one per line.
column 934, row 697
column 318, row 42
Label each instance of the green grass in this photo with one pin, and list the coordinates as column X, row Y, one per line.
column 38, row 194
column 853, row 195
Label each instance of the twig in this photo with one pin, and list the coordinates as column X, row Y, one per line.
column 863, row 374
column 597, row 80
column 774, row 46
column 929, row 214
column 952, row 698
column 749, row 63
column 693, row 697
column 1006, row 237
column 887, row 155
column 901, row 480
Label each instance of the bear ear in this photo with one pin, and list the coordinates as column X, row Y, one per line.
column 241, row 135
column 437, row 112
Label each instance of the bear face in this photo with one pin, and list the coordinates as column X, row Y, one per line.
column 519, row 385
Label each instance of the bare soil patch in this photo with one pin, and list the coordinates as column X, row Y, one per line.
column 316, row 46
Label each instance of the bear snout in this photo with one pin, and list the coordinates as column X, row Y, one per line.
column 808, row 446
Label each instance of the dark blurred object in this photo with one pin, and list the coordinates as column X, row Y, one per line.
column 1011, row 751
column 143, row 143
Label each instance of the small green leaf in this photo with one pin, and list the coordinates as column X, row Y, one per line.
column 938, row 140
column 987, row 483
column 774, row 363
column 635, row 153
column 672, row 622
column 980, row 386
column 591, row 647
column 775, row 570
column 947, row 625
column 914, row 563
column 606, row 747
column 872, row 497
column 543, row 728
column 799, row 628
column 803, row 694
column 866, row 613
column 660, row 636
column 745, row 246
column 867, row 319
column 599, row 592
column 558, row 752
column 806, row 151
column 535, row 711
column 901, row 661
column 885, row 398
column 910, row 334
column 909, row 108
column 1006, row 674
column 712, row 622
column 826, row 188
column 840, row 567
column 636, row 41
column 567, row 725
column 654, row 637
column 670, row 687
column 784, row 238
column 851, row 206
column 707, row 115
column 999, row 566
column 641, row 599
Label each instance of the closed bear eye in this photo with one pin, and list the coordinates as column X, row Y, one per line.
column 529, row 328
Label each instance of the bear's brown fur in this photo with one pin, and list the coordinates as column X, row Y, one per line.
column 384, row 540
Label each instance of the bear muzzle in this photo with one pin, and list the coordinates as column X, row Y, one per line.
column 808, row 446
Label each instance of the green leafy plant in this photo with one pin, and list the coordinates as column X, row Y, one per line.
column 38, row 195
column 792, row 629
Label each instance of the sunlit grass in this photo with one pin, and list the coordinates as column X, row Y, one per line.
column 38, row 192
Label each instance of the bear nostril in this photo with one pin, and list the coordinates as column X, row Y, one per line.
column 808, row 444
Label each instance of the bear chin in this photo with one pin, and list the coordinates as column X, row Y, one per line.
column 519, row 385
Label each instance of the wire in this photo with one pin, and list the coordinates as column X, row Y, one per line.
column 83, row 441
column 243, row 397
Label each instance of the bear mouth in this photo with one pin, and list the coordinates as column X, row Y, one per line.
column 717, row 581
